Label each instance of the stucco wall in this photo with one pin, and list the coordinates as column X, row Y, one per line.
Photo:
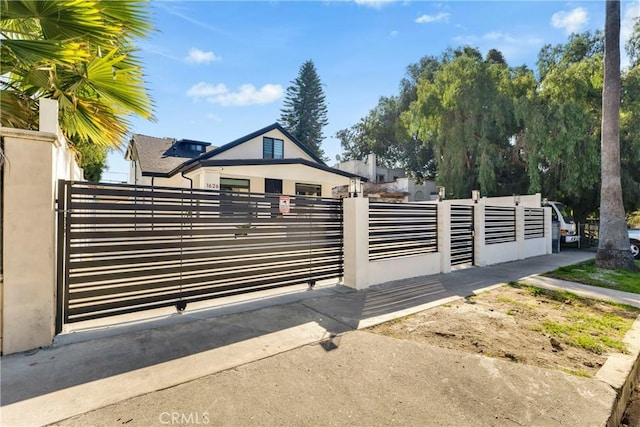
column 530, row 200
column 28, row 314
column 500, row 252
column 356, row 167
column 35, row 161
column 289, row 174
column 387, row 270
column 174, row 181
column 252, row 149
column 533, row 247
column 360, row 273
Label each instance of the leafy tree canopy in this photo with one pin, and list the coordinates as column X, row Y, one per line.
column 474, row 122
column 464, row 112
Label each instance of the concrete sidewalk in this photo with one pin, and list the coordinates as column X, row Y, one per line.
column 66, row 380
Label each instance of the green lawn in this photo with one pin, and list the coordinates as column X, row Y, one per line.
column 587, row 273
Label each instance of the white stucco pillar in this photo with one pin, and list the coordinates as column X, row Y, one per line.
column 29, row 249
column 356, row 242
column 48, row 119
column 547, row 230
column 444, row 236
column 520, row 232
column 479, row 246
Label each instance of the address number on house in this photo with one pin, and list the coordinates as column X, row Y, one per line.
column 212, row 186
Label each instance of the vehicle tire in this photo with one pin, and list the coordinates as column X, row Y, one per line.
column 635, row 249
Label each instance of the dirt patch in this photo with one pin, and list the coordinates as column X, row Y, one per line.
column 523, row 324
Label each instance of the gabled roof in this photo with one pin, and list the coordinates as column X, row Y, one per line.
column 259, row 162
column 165, row 157
column 158, row 156
column 246, row 138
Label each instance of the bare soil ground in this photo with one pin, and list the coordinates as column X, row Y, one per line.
column 524, row 325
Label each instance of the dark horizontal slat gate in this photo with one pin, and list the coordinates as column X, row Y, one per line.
column 533, row 223
column 500, row 224
column 402, row 229
column 130, row 248
column 462, row 235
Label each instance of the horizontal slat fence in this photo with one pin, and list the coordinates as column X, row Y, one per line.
column 131, row 248
column 533, row 223
column 500, row 224
column 401, row 229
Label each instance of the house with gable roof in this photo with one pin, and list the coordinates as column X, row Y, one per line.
column 269, row 160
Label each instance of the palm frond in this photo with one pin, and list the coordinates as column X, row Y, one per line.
column 80, row 52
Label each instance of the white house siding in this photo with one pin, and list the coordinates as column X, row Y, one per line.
column 304, row 175
column 174, row 181
column 252, row 149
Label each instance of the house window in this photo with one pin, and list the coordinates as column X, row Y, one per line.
column 234, row 204
column 272, row 148
column 196, row 147
column 308, row 190
column 273, row 186
column 235, row 185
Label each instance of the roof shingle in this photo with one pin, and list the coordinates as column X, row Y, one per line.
column 162, row 155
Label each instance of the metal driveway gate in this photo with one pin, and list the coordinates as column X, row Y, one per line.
column 125, row 248
column 462, row 234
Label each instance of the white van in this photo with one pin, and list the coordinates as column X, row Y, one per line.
column 568, row 228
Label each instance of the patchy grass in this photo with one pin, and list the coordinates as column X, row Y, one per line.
column 556, row 295
column 578, row 373
column 587, row 273
column 597, row 334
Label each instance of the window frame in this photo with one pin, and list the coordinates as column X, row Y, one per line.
column 316, row 186
column 235, row 188
column 270, row 153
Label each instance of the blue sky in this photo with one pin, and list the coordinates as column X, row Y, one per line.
column 218, row 70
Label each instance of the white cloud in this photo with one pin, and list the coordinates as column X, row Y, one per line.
column 213, row 118
column 571, row 21
column 440, row 17
column 203, row 90
column 514, row 48
column 197, row 56
column 628, row 20
column 246, row 94
column 508, row 38
column 376, row 4
column 626, row 28
column 393, row 33
column 493, row 35
column 497, row 36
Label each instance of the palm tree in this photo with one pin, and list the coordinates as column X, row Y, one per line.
column 613, row 247
column 81, row 53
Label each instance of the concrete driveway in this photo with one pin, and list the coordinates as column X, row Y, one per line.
column 365, row 379
column 301, row 361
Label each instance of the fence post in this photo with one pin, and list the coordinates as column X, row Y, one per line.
column 479, row 254
column 444, row 236
column 520, row 231
column 548, row 233
column 356, row 242
column 29, row 246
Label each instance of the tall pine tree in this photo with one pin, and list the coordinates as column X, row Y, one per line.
column 305, row 112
